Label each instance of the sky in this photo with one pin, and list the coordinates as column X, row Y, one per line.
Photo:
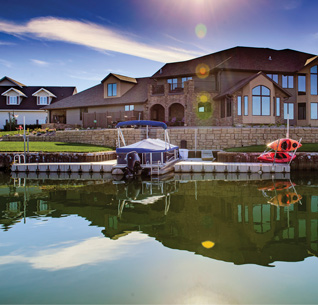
column 79, row 42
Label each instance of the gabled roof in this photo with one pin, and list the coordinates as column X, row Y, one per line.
column 30, row 102
column 45, row 90
column 244, row 82
column 240, row 58
column 94, row 97
column 14, row 82
column 15, row 90
column 121, row 78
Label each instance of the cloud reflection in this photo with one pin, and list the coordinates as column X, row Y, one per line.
column 87, row 252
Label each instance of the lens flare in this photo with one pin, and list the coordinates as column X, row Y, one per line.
column 202, row 71
column 200, row 30
column 208, row 244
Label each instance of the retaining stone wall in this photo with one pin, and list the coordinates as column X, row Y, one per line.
column 207, row 137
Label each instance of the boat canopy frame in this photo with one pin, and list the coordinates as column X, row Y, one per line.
column 146, row 123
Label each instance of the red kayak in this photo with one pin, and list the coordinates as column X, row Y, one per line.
column 281, row 157
column 284, row 145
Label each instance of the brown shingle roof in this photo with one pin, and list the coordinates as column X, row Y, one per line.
column 12, row 81
column 244, row 82
column 121, row 77
column 30, row 102
column 94, row 97
column 241, row 58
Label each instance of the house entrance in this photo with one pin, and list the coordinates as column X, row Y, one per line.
column 176, row 114
column 157, row 113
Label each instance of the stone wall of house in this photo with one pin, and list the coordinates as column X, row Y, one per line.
column 206, row 137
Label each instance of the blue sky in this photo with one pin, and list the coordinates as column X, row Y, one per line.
column 78, row 42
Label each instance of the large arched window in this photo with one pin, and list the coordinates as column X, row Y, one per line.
column 261, row 101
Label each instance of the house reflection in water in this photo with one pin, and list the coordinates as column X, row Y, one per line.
column 242, row 222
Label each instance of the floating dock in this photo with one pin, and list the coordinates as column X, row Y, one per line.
column 186, row 166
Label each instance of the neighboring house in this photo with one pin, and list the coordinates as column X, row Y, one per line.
column 18, row 101
column 116, row 98
column 237, row 86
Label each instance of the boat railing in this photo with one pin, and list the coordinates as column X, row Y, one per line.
column 147, row 158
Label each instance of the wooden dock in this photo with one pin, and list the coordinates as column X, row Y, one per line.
column 188, row 166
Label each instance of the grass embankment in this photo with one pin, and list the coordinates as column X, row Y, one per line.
column 51, row 147
column 306, row 147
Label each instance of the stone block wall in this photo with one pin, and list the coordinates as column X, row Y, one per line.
column 196, row 137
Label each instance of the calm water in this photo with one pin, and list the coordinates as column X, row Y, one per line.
column 178, row 241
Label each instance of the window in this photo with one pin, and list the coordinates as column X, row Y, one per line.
column 173, row 83
column 204, row 107
column 313, row 80
column 277, row 106
column 239, row 105
column 12, row 100
column 42, row 100
column 129, row 107
column 223, row 109
column 112, row 90
column 184, row 79
column 288, row 111
column 261, row 101
column 301, row 84
column 313, row 111
column 288, row 81
column 245, row 105
column 228, row 107
column 302, row 111
column 274, row 77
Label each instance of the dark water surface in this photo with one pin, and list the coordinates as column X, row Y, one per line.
column 176, row 241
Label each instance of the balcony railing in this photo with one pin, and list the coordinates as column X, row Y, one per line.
column 109, row 118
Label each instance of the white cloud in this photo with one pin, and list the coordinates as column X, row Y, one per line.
column 5, row 63
column 94, row 36
column 40, row 63
column 86, row 252
column 5, row 43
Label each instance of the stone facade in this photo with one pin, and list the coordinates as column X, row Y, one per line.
column 206, row 137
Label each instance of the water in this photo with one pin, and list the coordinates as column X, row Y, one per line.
column 173, row 242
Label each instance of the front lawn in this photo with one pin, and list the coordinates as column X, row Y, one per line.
column 306, row 147
column 51, row 147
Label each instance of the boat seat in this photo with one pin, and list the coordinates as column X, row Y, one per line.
column 207, row 155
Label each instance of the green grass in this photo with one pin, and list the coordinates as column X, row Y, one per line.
column 51, row 147
column 11, row 133
column 306, row 147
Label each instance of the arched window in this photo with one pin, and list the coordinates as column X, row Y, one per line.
column 261, row 101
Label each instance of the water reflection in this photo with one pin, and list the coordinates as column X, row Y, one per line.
column 243, row 222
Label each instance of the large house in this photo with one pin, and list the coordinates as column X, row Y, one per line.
column 19, row 103
column 237, row 86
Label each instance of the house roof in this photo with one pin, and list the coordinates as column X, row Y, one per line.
column 121, row 78
column 241, row 58
column 15, row 90
column 45, row 90
column 244, row 82
column 14, row 82
column 30, row 102
column 94, row 97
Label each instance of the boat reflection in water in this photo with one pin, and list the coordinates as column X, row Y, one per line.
column 135, row 191
column 243, row 222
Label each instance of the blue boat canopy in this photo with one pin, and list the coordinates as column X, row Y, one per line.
column 143, row 123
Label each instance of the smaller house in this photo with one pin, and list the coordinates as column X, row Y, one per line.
column 116, row 98
column 19, row 102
